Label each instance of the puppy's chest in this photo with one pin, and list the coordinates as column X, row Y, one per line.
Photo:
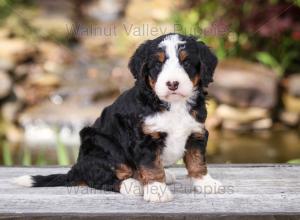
column 178, row 124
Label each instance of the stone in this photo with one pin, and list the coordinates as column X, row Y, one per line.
column 45, row 80
column 122, row 77
column 291, row 103
column 290, row 118
column 14, row 134
column 16, row 50
column 241, row 115
column 21, row 71
column 244, row 84
column 10, row 110
column 5, row 85
column 54, row 26
column 105, row 10
column 293, row 86
column 6, row 65
column 53, row 52
column 260, row 124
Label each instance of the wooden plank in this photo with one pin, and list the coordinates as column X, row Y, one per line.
column 251, row 192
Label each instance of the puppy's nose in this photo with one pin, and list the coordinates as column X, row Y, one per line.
column 173, row 85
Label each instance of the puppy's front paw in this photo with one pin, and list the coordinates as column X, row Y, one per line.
column 170, row 177
column 157, row 192
column 131, row 187
column 206, row 184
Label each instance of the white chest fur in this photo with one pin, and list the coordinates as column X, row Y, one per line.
column 179, row 125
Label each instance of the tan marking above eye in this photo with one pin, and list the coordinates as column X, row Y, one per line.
column 182, row 55
column 161, row 56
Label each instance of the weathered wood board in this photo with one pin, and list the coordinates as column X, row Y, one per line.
column 251, row 192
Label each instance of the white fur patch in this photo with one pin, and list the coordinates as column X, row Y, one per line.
column 157, row 192
column 206, row 184
column 179, row 125
column 26, row 181
column 173, row 71
column 170, row 177
column 131, row 187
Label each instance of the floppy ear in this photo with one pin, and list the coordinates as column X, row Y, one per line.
column 208, row 63
column 138, row 60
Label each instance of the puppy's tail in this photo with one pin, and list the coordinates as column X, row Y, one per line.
column 42, row 181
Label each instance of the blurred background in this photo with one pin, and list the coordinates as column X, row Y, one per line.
column 63, row 61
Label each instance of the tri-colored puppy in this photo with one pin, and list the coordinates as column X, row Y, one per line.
column 157, row 122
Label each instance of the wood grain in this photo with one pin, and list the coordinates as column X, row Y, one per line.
column 251, row 192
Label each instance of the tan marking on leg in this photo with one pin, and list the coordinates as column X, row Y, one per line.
column 82, row 183
column 194, row 162
column 123, row 172
column 155, row 173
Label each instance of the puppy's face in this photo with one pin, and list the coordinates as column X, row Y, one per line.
column 174, row 66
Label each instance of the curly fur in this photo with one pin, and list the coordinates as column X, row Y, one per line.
column 117, row 136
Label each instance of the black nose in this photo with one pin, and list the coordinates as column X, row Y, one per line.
column 172, row 85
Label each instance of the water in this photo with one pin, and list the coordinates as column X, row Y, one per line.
column 274, row 146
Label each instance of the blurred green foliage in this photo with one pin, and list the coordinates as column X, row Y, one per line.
column 294, row 161
column 264, row 31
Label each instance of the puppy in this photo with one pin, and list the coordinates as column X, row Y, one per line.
column 152, row 125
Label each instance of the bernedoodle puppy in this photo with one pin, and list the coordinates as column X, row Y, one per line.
column 152, row 125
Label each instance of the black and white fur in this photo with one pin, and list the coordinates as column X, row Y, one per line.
column 117, row 136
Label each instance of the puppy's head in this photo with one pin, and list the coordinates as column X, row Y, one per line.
column 173, row 66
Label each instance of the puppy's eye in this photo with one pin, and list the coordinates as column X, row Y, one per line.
column 186, row 64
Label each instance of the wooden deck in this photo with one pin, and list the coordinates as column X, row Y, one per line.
column 251, row 192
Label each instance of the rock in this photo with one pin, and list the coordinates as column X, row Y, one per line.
column 10, row 110
column 243, row 84
column 141, row 11
column 55, row 26
column 105, row 10
column 14, row 134
column 122, row 77
column 45, row 80
column 5, row 85
column 6, row 65
column 291, row 103
column 4, row 32
column 243, row 119
column 290, row 118
column 241, row 115
column 293, row 85
column 16, row 50
column 53, row 52
column 97, row 47
column 255, row 125
column 21, row 71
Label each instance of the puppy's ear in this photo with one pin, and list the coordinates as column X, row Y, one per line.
column 138, row 60
column 208, row 63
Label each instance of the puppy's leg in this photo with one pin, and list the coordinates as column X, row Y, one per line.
column 152, row 176
column 195, row 163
